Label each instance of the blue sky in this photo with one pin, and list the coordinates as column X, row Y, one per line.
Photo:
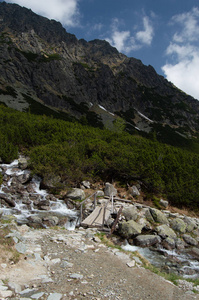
column 162, row 33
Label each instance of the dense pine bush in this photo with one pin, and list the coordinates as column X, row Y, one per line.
column 76, row 152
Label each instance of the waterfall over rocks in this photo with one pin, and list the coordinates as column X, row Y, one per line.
column 21, row 197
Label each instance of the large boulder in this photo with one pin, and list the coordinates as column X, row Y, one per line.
column 129, row 229
column 110, row 190
column 50, row 221
column 130, row 213
column 191, row 225
column 148, row 215
column 180, row 244
column 158, row 216
column 8, row 200
column 189, row 240
column 134, row 191
column 178, row 225
column 24, row 178
column 147, row 240
column 76, row 194
column 195, row 252
column 44, row 204
column 169, row 243
column 35, row 222
column 165, row 231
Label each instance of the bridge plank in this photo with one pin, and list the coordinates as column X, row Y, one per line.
column 95, row 219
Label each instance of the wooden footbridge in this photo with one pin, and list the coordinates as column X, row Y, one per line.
column 101, row 213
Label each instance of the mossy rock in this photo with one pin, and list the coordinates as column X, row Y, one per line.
column 178, row 225
column 129, row 229
column 158, row 216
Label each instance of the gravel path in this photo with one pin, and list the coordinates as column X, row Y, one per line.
column 60, row 264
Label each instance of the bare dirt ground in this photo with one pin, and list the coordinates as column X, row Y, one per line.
column 76, row 266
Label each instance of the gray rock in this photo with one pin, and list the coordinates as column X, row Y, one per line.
column 180, row 244
column 191, row 225
column 165, row 231
column 37, row 256
column 164, row 203
column 148, row 215
column 178, row 225
column 23, row 162
column 50, row 221
column 134, row 191
column 27, row 292
column 143, row 221
column 56, row 261
column 24, row 178
column 66, row 264
column 122, row 256
column 15, row 234
column 76, row 194
column 129, row 229
column 14, row 286
column 131, row 264
column 130, row 213
column 86, row 184
column 109, row 190
column 76, row 276
column 55, row 296
column 189, row 240
column 147, row 240
column 35, row 221
column 100, row 193
column 137, row 260
column 44, row 204
column 194, row 252
column 169, row 243
column 158, row 216
column 21, row 248
column 37, row 295
column 5, row 294
column 7, row 199
column 3, row 288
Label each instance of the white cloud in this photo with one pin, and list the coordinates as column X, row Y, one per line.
column 185, row 75
column 146, row 35
column 65, row 11
column 183, row 53
column 125, row 41
column 189, row 26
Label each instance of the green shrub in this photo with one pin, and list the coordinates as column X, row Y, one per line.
column 75, row 152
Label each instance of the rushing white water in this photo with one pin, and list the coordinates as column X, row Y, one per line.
column 186, row 262
column 36, row 181
column 145, row 252
column 23, row 209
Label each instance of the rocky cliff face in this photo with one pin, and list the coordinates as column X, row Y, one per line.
column 41, row 62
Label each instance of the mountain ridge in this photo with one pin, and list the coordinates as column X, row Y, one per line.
column 42, row 62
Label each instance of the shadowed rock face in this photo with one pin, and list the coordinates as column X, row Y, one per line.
column 42, row 62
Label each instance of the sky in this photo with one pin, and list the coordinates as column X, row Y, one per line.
column 161, row 33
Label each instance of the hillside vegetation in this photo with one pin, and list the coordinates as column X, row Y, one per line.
column 75, row 152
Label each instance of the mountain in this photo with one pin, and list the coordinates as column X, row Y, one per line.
column 46, row 70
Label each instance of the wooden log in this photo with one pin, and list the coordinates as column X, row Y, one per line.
column 116, row 220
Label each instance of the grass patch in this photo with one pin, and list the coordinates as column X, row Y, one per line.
column 50, row 57
column 7, row 246
column 102, row 236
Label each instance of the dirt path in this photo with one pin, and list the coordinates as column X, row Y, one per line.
column 71, row 265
